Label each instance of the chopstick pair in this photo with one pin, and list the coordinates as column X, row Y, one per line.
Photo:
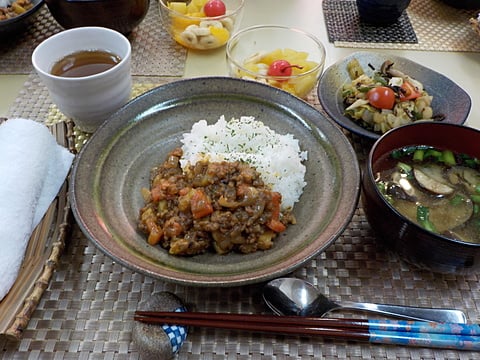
column 393, row 332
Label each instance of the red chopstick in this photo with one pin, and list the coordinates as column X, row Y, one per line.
column 293, row 325
column 399, row 332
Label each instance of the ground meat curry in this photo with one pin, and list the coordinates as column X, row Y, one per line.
column 212, row 206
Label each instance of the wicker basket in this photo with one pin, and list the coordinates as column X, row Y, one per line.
column 43, row 252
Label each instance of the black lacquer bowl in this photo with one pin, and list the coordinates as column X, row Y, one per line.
column 463, row 4
column 381, row 12
column 420, row 247
column 120, row 15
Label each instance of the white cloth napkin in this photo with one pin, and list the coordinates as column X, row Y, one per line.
column 33, row 168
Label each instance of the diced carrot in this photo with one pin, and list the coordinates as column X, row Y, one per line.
column 155, row 232
column 274, row 223
column 172, row 228
column 276, row 200
column 157, row 193
column 184, row 191
column 200, row 205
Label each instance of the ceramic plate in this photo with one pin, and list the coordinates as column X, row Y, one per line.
column 448, row 98
column 20, row 22
column 115, row 164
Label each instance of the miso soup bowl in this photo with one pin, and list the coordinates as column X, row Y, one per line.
column 417, row 246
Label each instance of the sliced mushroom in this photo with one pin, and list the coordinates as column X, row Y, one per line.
column 442, row 213
column 402, row 188
column 431, row 179
column 445, row 215
column 464, row 175
column 471, row 176
column 398, row 192
column 387, row 69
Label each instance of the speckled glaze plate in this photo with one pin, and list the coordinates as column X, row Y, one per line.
column 20, row 22
column 115, row 164
column 448, row 98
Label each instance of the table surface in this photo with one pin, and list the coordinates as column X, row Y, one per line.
column 87, row 309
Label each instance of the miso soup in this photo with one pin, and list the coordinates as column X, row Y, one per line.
column 435, row 188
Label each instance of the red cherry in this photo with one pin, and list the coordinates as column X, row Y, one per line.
column 281, row 68
column 214, row 8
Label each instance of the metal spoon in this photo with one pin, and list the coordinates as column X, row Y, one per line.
column 290, row 296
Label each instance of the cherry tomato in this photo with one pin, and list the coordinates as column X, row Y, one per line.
column 214, row 8
column 408, row 92
column 381, row 97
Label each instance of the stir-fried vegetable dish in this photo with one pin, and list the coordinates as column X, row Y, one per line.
column 386, row 99
column 16, row 8
column 435, row 188
column 219, row 206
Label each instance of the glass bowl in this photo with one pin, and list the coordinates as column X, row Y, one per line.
column 190, row 27
column 252, row 51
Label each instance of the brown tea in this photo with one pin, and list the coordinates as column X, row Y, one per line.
column 85, row 63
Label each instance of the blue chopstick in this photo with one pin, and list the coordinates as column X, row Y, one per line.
column 424, row 327
column 426, row 334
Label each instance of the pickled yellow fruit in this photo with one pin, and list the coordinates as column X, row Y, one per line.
column 180, row 23
column 179, row 7
column 194, row 7
column 198, row 3
column 305, row 85
column 272, row 56
column 221, row 34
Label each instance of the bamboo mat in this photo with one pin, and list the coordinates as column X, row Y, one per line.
column 153, row 50
column 436, row 26
column 87, row 309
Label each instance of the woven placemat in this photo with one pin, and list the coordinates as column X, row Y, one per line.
column 86, row 311
column 343, row 24
column 437, row 26
column 153, row 50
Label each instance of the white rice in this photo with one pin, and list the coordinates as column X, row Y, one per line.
column 276, row 157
